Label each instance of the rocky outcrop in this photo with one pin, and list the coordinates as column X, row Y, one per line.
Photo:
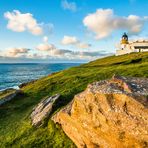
column 109, row 114
column 43, row 110
column 8, row 95
column 27, row 83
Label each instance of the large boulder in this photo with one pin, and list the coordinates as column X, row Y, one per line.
column 110, row 114
column 43, row 110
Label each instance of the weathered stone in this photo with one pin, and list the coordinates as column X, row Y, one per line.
column 8, row 95
column 43, row 110
column 108, row 114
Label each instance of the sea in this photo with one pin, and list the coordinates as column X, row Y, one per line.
column 12, row 75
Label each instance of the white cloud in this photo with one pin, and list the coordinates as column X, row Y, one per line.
column 51, row 49
column 72, row 40
column 103, row 22
column 45, row 47
column 69, row 5
column 20, row 22
column 67, row 40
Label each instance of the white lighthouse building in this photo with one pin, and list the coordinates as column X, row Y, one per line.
column 126, row 47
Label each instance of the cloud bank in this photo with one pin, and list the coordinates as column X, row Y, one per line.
column 51, row 50
column 48, row 52
column 15, row 52
column 20, row 22
column 103, row 22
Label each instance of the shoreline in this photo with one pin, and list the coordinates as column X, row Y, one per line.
column 17, row 85
column 13, row 87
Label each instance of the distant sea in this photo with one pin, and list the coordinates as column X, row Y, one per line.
column 12, row 75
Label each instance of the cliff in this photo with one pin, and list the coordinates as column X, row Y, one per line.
column 111, row 113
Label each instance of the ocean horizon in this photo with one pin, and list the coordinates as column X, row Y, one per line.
column 14, row 74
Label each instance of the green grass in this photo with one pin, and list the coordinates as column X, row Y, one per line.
column 15, row 127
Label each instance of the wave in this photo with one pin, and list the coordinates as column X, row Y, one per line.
column 13, row 87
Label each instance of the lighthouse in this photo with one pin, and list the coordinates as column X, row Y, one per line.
column 124, row 39
column 126, row 47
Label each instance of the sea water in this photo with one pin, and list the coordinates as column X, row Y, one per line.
column 12, row 75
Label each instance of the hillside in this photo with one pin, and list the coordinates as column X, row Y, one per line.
column 15, row 127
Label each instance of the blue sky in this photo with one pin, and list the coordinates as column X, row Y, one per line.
column 58, row 18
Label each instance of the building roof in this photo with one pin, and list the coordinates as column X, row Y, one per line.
column 139, row 41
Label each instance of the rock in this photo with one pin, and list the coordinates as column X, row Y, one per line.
column 8, row 95
column 27, row 83
column 110, row 114
column 43, row 110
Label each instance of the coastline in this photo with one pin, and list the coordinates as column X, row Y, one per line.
column 15, row 75
column 14, row 87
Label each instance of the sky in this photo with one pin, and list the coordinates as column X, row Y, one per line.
column 67, row 30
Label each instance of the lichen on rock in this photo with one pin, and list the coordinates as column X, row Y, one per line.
column 110, row 113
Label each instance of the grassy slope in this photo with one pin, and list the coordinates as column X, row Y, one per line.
column 15, row 128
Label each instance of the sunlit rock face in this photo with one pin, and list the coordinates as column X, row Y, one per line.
column 109, row 114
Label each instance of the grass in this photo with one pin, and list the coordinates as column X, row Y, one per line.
column 15, row 127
